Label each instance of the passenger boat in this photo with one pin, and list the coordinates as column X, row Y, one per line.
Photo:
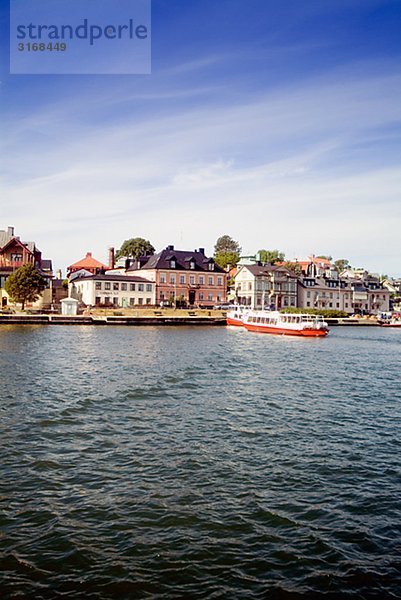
column 305, row 325
column 235, row 316
column 393, row 322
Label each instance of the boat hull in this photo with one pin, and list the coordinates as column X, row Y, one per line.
column 283, row 331
column 391, row 324
column 234, row 322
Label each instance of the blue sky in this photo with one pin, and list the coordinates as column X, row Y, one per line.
column 277, row 122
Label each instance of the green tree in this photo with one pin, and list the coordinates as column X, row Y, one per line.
column 226, row 251
column 25, row 285
column 341, row 264
column 271, row 256
column 294, row 267
column 135, row 247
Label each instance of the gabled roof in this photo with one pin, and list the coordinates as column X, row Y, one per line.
column 183, row 259
column 264, row 269
column 15, row 240
column 128, row 278
column 88, row 263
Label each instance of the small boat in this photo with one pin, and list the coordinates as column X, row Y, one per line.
column 305, row 325
column 235, row 316
column 395, row 322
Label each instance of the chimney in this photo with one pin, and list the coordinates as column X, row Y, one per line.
column 111, row 258
column 89, row 255
column 170, row 248
column 202, row 251
column 10, row 231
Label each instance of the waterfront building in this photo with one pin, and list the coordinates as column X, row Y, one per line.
column 184, row 276
column 326, row 289
column 258, row 285
column 89, row 264
column 15, row 253
column 113, row 290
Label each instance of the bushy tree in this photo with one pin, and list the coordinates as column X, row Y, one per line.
column 294, row 267
column 271, row 256
column 226, row 251
column 25, row 285
column 135, row 247
column 325, row 257
column 341, row 264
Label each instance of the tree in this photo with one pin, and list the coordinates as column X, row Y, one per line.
column 25, row 284
column 271, row 256
column 294, row 267
column 226, row 251
column 135, row 247
column 341, row 264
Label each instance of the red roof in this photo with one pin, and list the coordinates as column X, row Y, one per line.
column 87, row 263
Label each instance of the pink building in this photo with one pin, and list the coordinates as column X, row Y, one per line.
column 181, row 275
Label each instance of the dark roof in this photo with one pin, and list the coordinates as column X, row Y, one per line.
column 46, row 264
column 129, row 278
column 264, row 269
column 182, row 258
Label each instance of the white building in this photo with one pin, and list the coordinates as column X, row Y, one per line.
column 113, row 290
column 259, row 285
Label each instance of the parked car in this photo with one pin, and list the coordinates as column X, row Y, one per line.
column 224, row 306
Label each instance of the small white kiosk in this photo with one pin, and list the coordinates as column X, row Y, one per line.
column 69, row 307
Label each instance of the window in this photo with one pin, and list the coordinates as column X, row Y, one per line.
column 219, row 281
column 172, row 278
column 210, row 297
column 211, row 266
column 132, row 287
column 201, row 297
column 148, row 300
column 97, row 300
column 140, row 300
column 219, row 297
column 162, row 278
column 116, row 287
column 191, row 280
column 132, row 301
column 123, row 287
column 201, row 280
column 249, row 286
column 16, row 257
column 107, row 300
column 140, row 288
column 210, row 281
column 98, row 285
column 115, row 301
column 192, row 265
column 308, row 304
column 308, row 294
column 148, row 287
column 107, row 285
column 173, row 263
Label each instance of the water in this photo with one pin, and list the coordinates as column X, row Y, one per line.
column 199, row 463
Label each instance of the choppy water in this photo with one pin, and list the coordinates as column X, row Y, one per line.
column 199, row 463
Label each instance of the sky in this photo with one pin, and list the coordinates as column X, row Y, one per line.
column 277, row 122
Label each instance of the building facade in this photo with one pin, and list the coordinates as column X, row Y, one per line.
column 113, row 290
column 259, row 286
column 14, row 254
column 180, row 276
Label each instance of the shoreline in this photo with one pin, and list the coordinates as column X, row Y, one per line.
column 163, row 320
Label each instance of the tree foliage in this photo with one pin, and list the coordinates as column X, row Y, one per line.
column 325, row 257
column 271, row 256
column 25, row 285
column 226, row 251
column 135, row 247
column 294, row 267
column 341, row 264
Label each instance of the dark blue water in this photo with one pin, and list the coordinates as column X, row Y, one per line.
column 199, row 463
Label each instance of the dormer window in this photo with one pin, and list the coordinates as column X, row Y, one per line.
column 173, row 263
column 211, row 266
column 192, row 265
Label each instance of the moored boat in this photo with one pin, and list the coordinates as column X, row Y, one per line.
column 274, row 322
column 393, row 320
column 235, row 316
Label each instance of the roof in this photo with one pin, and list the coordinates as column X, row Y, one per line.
column 46, row 265
column 129, row 278
column 88, row 263
column 182, row 258
column 264, row 269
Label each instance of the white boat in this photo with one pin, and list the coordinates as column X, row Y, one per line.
column 274, row 322
column 235, row 316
